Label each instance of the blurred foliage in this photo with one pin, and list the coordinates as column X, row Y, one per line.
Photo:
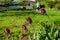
column 53, row 4
column 4, row 2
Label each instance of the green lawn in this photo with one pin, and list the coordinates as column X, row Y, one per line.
column 15, row 19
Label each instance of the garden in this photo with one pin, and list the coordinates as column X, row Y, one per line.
column 30, row 25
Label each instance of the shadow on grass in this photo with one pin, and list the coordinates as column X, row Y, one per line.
column 22, row 13
column 17, row 14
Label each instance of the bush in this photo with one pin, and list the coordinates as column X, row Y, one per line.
column 42, row 6
column 51, row 4
column 57, row 6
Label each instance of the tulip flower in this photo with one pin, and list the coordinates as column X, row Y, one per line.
column 28, row 20
column 24, row 27
column 7, row 31
column 22, row 35
column 43, row 11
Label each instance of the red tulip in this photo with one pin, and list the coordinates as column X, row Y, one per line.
column 7, row 31
column 22, row 35
column 28, row 20
column 43, row 11
column 24, row 27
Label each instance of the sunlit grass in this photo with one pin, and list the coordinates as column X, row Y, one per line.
column 15, row 19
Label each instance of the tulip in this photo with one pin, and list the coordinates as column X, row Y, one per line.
column 43, row 11
column 28, row 20
column 24, row 27
column 22, row 35
column 7, row 31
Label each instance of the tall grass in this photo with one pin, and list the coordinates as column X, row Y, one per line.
column 43, row 25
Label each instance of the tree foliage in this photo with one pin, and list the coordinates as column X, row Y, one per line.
column 3, row 2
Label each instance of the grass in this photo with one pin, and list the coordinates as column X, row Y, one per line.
column 15, row 19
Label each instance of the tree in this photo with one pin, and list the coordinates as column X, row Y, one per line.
column 4, row 2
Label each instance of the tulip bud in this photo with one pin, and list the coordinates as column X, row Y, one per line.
column 22, row 35
column 28, row 20
column 7, row 31
column 24, row 27
column 43, row 11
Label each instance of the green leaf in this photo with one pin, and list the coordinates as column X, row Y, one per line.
column 37, row 36
column 59, row 39
column 34, row 36
column 52, row 28
column 46, row 38
column 29, row 37
column 56, row 33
